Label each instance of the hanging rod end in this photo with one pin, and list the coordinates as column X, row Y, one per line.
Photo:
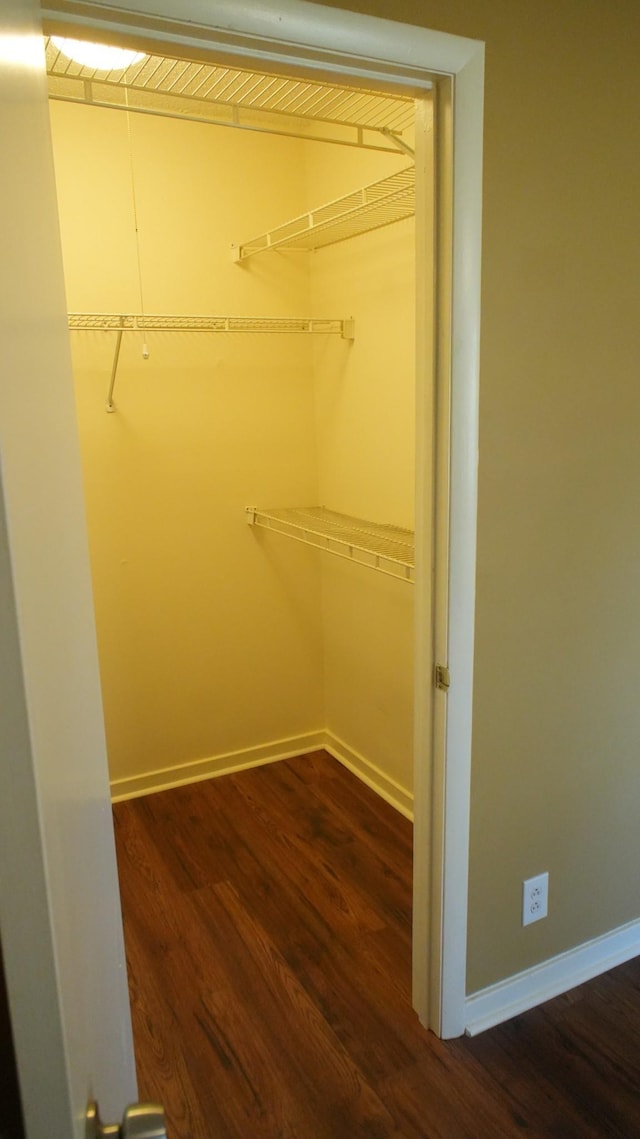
column 110, row 407
column 250, row 512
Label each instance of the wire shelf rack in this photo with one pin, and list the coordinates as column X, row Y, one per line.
column 143, row 322
column 130, row 322
column 381, row 203
column 378, row 546
column 230, row 96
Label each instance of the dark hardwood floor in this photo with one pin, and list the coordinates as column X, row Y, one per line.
column 268, row 931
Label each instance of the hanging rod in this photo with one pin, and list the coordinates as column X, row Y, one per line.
column 226, row 96
column 360, row 138
column 143, row 322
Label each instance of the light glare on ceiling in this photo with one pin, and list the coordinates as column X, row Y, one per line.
column 100, row 57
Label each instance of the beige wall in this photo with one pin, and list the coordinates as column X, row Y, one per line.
column 214, row 637
column 557, row 716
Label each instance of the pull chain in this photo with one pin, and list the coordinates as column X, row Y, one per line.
column 145, row 348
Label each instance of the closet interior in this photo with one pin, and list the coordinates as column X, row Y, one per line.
column 239, row 256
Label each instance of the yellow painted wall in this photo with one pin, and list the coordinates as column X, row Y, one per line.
column 556, row 725
column 210, row 634
column 365, row 408
column 214, row 637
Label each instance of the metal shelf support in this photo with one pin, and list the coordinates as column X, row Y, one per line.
column 110, row 406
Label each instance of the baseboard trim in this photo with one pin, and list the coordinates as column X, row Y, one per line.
column 383, row 784
column 534, row 986
column 133, row 786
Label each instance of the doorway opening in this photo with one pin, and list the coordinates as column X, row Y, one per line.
column 323, row 35
column 296, row 419
column 223, row 376
column 369, row 49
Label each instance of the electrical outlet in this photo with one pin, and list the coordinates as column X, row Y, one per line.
column 535, row 898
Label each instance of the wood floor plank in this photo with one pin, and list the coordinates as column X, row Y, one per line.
column 164, row 1052
column 143, row 878
column 336, row 1097
column 292, row 850
column 357, row 805
column 267, row 924
column 439, row 1098
column 562, row 1049
column 342, row 977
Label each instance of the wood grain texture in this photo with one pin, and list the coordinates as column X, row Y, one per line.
column 268, row 930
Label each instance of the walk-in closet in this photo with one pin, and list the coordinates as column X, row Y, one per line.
column 239, row 258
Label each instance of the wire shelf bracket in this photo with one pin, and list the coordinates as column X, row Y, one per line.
column 383, row 547
column 381, row 203
column 142, row 322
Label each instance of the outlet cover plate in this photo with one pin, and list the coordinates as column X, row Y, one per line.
column 535, row 898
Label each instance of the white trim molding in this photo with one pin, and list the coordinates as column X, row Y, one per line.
column 384, row 786
column 164, row 778
column 534, row 986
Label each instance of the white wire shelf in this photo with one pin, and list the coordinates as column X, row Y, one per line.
column 379, row 546
column 231, row 97
column 143, row 322
column 130, row 322
column 381, row 203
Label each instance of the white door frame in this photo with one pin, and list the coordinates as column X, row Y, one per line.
column 294, row 32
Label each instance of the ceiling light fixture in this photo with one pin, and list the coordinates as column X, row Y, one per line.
column 99, row 57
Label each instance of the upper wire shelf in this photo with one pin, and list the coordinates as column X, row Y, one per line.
column 381, row 203
column 380, row 546
column 229, row 96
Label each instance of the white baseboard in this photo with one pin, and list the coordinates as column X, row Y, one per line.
column 194, row 772
column 383, row 784
column 163, row 779
column 532, row 987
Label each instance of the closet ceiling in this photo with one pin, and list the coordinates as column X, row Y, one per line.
column 228, row 96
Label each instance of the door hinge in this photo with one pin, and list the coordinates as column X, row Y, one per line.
column 442, row 677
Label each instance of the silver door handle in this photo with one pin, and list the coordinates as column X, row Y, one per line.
column 140, row 1121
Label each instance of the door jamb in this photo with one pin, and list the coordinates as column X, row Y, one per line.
column 308, row 34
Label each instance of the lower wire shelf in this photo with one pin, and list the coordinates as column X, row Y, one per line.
column 379, row 546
